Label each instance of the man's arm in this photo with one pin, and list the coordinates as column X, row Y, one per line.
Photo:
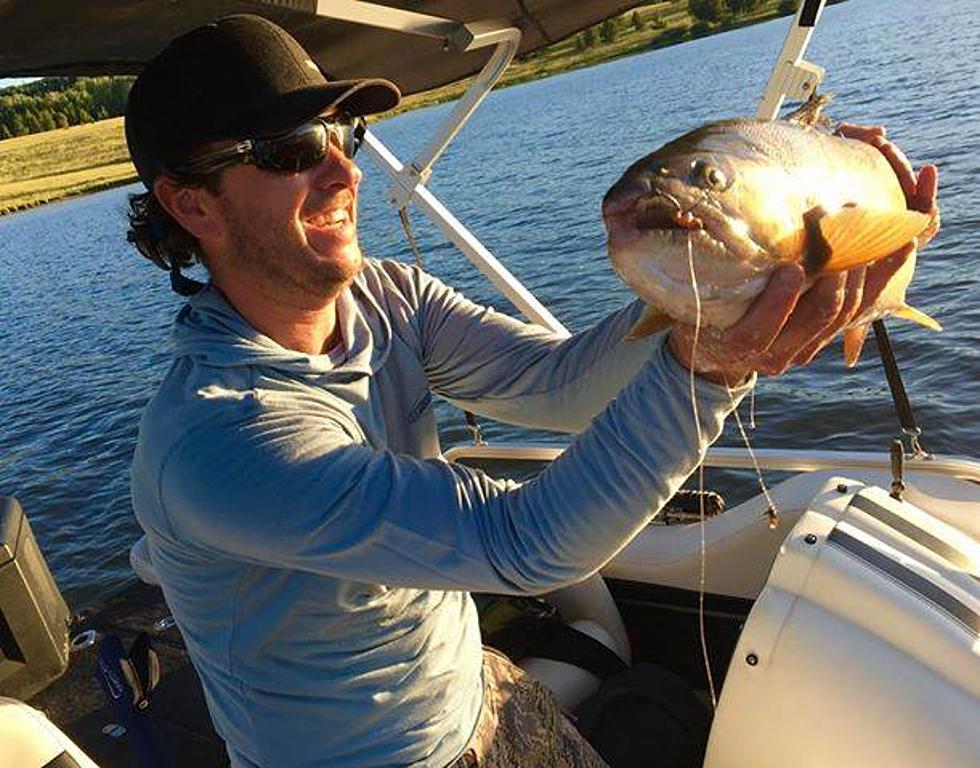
column 280, row 489
column 516, row 372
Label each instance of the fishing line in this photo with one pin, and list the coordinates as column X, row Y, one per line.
column 406, row 225
column 772, row 511
column 701, row 521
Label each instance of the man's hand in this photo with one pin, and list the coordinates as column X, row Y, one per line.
column 788, row 324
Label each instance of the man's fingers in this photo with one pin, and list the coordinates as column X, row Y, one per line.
column 816, row 311
column 926, row 188
column 757, row 329
column 902, row 167
column 878, row 275
column 861, row 132
column 853, row 294
column 918, row 198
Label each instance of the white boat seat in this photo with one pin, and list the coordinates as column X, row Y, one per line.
column 142, row 563
column 588, row 607
column 30, row 740
column 571, row 684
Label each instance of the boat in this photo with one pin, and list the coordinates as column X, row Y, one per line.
column 847, row 634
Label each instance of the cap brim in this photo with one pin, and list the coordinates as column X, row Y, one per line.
column 356, row 97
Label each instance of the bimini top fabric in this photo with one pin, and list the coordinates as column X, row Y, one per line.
column 102, row 37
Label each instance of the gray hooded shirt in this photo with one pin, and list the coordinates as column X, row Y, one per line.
column 316, row 550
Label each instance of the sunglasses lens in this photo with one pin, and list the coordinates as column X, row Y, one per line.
column 346, row 136
column 296, row 151
column 307, row 145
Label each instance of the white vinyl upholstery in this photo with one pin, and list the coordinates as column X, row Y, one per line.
column 29, row 740
column 588, row 607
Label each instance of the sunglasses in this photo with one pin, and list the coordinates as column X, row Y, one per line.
column 295, row 150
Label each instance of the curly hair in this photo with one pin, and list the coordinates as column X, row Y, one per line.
column 158, row 236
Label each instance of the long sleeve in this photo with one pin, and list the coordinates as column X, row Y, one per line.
column 520, row 373
column 277, row 488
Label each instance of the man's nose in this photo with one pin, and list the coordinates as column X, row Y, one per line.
column 337, row 168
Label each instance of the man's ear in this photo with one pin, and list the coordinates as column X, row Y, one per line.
column 194, row 208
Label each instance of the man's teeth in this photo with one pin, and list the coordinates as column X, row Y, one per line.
column 330, row 218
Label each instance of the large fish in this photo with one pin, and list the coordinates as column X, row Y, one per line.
column 743, row 197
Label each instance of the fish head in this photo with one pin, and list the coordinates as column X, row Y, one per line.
column 703, row 199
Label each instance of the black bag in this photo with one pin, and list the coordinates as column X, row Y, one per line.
column 646, row 717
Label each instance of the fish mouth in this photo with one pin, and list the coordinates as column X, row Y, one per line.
column 635, row 206
column 654, row 240
column 657, row 267
column 635, row 213
column 658, row 215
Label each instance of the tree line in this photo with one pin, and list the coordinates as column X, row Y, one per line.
column 705, row 13
column 58, row 102
column 718, row 10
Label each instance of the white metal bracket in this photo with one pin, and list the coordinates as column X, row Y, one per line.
column 419, row 171
column 792, row 77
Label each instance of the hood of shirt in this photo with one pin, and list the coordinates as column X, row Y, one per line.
column 211, row 332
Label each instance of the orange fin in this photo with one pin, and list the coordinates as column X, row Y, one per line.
column 651, row 321
column 910, row 313
column 853, row 343
column 854, row 236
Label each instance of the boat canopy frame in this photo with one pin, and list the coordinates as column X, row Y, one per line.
column 792, row 77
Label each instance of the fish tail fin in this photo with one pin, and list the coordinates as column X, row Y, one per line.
column 910, row 313
column 853, row 343
column 651, row 321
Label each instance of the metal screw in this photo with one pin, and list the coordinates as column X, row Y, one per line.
column 810, row 538
column 751, row 659
column 841, row 487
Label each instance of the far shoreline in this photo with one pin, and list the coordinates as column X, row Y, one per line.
column 100, row 148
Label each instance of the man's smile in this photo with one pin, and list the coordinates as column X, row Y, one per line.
column 328, row 219
column 333, row 219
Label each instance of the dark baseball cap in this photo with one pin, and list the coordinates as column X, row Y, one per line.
column 240, row 76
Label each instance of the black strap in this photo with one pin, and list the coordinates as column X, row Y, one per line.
column 182, row 284
column 902, row 406
column 572, row 646
column 474, row 426
column 808, row 16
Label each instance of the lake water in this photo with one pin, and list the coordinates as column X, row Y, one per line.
column 85, row 331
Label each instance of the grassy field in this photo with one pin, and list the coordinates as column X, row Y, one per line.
column 43, row 167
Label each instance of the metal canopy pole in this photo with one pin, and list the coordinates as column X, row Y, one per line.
column 408, row 181
column 792, row 77
column 467, row 242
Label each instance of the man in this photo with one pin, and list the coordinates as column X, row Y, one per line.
column 315, row 550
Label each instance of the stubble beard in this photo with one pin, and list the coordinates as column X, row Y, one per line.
column 280, row 262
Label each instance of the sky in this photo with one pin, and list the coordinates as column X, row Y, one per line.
column 4, row 83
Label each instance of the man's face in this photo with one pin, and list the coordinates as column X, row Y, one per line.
column 292, row 232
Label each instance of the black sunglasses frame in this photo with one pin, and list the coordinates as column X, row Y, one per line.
column 266, row 152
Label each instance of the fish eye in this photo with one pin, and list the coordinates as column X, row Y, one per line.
column 710, row 176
